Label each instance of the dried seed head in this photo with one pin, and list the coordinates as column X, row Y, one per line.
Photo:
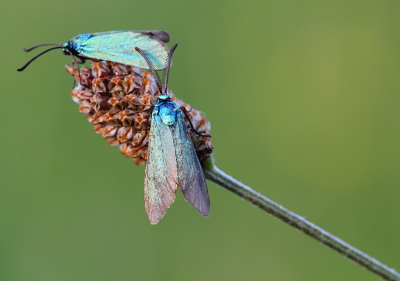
column 118, row 100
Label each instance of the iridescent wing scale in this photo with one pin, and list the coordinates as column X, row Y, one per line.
column 161, row 177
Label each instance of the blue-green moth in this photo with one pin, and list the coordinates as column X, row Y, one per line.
column 172, row 160
column 117, row 46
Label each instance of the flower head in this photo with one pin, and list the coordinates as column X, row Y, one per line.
column 118, row 100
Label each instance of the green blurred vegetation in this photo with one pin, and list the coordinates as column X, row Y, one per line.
column 304, row 101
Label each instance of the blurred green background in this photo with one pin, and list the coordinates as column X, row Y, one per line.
column 303, row 98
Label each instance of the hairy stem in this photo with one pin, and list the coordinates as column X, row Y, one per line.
column 219, row 177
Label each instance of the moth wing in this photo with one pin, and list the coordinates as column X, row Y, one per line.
column 190, row 173
column 159, row 34
column 161, row 179
column 119, row 46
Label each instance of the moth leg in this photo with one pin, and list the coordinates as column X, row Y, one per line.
column 77, row 62
column 191, row 125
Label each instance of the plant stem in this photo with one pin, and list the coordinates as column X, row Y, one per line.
column 219, row 177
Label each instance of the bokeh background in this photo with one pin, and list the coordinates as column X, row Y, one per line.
column 303, row 98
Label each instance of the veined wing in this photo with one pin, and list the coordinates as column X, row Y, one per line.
column 190, row 173
column 161, row 179
column 119, row 46
column 159, row 34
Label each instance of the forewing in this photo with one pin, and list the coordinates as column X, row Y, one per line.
column 159, row 34
column 119, row 46
column 190, row 173
column 161, row 179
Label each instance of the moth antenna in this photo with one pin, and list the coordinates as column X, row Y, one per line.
column 161, row 87
column 35, row 57
column 151, row 68
column 166, row 75
column 44, row 44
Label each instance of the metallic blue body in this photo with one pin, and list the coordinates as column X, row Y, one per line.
column 172, row 162
column 166, row 109
column 119, row 46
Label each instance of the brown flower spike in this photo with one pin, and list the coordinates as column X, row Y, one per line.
column 118, row 100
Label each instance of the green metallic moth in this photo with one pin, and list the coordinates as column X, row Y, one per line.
column 117, row 46
column 172, row 160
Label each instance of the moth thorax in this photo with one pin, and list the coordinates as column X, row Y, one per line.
column 168, row 118
column 168, row 114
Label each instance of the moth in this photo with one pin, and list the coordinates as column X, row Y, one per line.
column 172, row 160
column 117, row 46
